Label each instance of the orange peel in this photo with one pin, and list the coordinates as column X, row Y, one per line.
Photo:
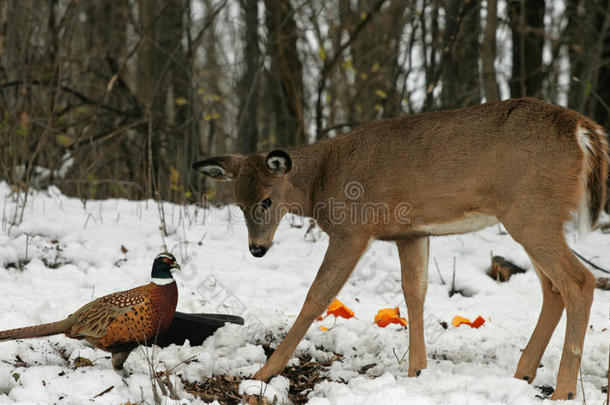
column 338, row 309
column 387, row 316
column 460, row 320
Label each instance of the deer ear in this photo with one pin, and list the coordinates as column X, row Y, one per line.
column 279, row 162
column 222, row 168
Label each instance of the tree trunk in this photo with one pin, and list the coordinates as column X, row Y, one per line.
column 107, row 42
column 375, row 61
column 3, row 13
column 527, row 24
column 248, row 129
column 598, row 103
column 601, row 112
column 181, row 143
column 488, row 53
column 581, row 35
column 214, row 108
column 431, row 52
column 460, row 69
column 286, row 73
column 152, row 89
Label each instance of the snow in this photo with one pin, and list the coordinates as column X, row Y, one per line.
column 74, row 254
column 276, row 390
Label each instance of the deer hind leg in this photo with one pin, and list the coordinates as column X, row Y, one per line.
column 339, row 261
column 413, row 256
column 552, row 309
column 546, row 245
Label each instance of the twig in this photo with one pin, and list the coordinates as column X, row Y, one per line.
column 582, row 387
column 171, row 370
column 87, row 220
column 68, row 90
column 608, row 373
column 152, row 372
column 595, row 266
column 326, row 130
column 27, row 245
column 106, row 135
column 107, row 390
column 403, row 356
column 438, row 269
column 453, row 279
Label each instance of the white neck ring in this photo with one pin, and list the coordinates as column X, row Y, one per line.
column 162, row 281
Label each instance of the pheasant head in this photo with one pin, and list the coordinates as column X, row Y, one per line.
column 163, row 266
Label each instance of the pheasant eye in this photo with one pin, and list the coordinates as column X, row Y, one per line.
column 265, row 204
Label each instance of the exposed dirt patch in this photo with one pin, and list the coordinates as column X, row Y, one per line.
column 19, row 265
column 225, row 389
column 545, row 391
column 603, row 283
column 502, row 270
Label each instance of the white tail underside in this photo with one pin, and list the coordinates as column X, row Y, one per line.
column 582, row 218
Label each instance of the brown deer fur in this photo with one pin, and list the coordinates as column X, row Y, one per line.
column 525, row 163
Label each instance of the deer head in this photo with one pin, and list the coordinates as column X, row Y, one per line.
column 261, row 190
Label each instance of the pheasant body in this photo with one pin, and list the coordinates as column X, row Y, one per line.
column 132, row 316
column 120, row 321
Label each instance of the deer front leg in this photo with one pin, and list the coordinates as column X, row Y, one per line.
column 341, row 257
column 413, row 256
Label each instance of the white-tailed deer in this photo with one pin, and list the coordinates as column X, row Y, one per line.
column 525, row 163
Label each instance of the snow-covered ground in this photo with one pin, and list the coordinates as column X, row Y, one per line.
column 74, row 253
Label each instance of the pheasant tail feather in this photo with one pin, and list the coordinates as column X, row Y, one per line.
column 45, row 329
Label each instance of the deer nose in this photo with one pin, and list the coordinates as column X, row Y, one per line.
column 257, row 250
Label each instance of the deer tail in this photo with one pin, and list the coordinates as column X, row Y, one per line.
column 593, row 141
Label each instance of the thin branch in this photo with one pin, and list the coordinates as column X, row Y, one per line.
column 71, row 91
column 595, row 266
column 209, row 21
column 447, row 49
column 338, row 126
column 106, row 136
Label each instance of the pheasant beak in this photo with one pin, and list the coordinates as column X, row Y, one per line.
column 176, row 266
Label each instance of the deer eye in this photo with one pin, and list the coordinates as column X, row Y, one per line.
column 265, row 204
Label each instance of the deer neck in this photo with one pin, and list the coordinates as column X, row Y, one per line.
column 305, row 177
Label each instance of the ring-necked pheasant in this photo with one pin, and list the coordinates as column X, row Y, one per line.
column 118, row 322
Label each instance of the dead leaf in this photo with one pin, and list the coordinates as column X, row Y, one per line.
column 107, row 390
column 82, row 362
